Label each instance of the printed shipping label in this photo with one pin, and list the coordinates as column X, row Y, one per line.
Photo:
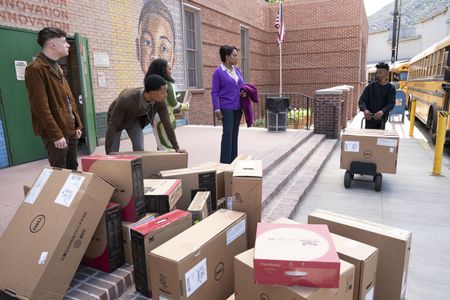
column 387, row 142
column 195, row 277
column 350, row 146
column 38, row 185
column 236, row 231
column 69, row 190
column 229, row 202
column 43, row 258
column 161, row 297
column 369, row 294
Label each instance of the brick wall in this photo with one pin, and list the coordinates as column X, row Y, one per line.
column 328, row 112
column 324, row 45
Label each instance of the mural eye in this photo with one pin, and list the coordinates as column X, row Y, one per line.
column 148, row 43
column 164, row 48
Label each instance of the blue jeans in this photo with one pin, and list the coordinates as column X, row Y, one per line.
column 136, row 135
column 229, row 145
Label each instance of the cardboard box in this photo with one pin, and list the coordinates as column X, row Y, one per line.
column 161, row 195
column 154, row 162
column 246, row 289
column 241, row 157
column 247, row 194
column 194, row 180
column 222, row 203
column 126, row 228
column 393, row 249
column 197, row 264
column 149, row 235
column 364, row 257
column 46, row 239
column 295, row 254
column 371, row 146
column 231, row 297
column 224, row 173
column 105, row 252
column 125, row 172
column 200, row 207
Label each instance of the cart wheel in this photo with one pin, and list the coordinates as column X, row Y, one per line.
column 378, row 180
column 347, row 179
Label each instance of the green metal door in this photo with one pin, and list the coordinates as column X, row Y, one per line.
column 86, row 91
column 17, row 48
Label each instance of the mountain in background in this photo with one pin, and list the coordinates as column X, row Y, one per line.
column 412, row 11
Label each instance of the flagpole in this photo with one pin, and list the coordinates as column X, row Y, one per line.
column 281, row 72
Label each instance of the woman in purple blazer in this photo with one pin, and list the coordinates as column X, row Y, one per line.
column 226, row 85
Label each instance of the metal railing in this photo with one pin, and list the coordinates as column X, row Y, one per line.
column 300, row 112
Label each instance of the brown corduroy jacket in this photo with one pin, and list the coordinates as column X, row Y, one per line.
column 48, row 92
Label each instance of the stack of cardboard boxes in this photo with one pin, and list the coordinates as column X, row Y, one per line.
column 68, row 217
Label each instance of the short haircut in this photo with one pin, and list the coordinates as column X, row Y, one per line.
column 226, row 50
column 49, row 33
column 382, row 65
column 153, row 82
column 159, row 67
column 157, row 8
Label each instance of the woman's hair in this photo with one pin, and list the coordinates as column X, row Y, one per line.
column 158, row 8
column 159, row 67
column 226, row 50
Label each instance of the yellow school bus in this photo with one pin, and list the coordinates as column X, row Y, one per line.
column 428, row 84
column 398, row 72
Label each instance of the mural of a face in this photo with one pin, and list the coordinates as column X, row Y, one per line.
column 156, row 37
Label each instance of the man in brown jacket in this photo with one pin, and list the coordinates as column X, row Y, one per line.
column 134, row 109
column 53, row 108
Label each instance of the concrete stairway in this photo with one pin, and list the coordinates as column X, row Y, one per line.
column 289, row 173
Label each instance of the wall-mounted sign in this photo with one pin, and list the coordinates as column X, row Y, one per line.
column 101, row 79
column 101, row 59
column 20, row 69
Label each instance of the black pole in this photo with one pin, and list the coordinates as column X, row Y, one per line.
column 398, row 29
column 394, row 33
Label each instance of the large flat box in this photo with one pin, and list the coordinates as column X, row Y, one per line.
column 247, row 194
column 224, row 173
column 295, row 255
column 194, row 180
column 241, row 157
column 247, row 289
column 105, row 252
column 198, row 263
column 161, row 195
column 200, row 207
column 147, row 236
column 364, row 257
column 370, row 146
column 46, row 239
column 125, row 172
column 393, row 245
column 154, row 162
column 126, row 237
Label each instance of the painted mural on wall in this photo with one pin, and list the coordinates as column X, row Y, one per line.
column 160, row 35
column 28, row 14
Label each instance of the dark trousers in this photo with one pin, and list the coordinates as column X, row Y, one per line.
column 375, row 124
column 229, row 146
column 62, row 158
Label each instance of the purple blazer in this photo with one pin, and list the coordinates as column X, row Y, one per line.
column 225, row 92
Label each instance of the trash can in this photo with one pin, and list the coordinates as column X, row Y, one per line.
column 276, row 113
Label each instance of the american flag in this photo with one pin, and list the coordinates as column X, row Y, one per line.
column 279, row 24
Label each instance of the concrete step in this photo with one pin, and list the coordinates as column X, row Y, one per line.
column 279, row 175
column 286, row 201
column 273, row 157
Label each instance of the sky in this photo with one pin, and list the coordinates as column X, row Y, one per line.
column 372, row 6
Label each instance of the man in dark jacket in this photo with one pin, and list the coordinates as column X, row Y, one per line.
column 378, row 98
column 54, row 111
column 134, row 109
